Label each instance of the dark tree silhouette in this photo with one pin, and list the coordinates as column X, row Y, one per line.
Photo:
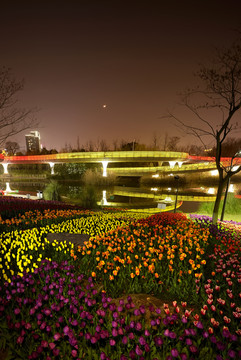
column 214, row 106
column 13, row 119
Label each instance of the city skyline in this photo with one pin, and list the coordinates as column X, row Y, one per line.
column 109, row 70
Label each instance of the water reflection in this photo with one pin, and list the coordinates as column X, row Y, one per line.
column 142, row 197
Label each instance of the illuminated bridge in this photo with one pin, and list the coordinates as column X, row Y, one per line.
column 177, row 161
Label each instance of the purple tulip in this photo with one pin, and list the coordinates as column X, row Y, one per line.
column 124, row 340
column 158, row 341
column 232, row 353
column 172, row 335
column 114, row 324
column 132, row 354
column 120, row 331
column 188, row 341
column 123, row 357
column 184, row 319
column 39, row 316
column 48, row 328
column 112, row 342
column 142, row 340
column 43, row 325
column 44, row 343
column 56, row 352
column 52, row 345
column 28, row 326
column 139, row 352
column 221, row 346
column 213, row 339
column 193, row 349
column 137, row 312
column 205, row 334
column 66, row 330
column 61, row 319
column 174, row 353
column 199, row 325
column 193, row 332
column 20, row 339
column 114, row 332
column 17, row 311
column 102, row 356
column 147, row 332
column 57, row 336
column 112, row 307
column 93, row 340
column 74, row 353
column 142, row 309
column 233, row 337
column 131, row 336
column 17, row 325
column 32, row 311
column 132, row 324
column 183, row 356
column 226, row 333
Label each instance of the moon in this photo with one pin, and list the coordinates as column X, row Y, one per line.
column 104, row 106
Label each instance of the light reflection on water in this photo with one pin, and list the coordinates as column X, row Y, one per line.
column 127, row 197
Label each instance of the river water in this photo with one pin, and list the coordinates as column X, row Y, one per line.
column 187, row 197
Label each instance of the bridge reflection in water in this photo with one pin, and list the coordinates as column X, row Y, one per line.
column 153, row 200
column 147, row 163
column 123, row 196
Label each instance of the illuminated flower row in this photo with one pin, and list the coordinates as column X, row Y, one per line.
column 222, row 292
column 56, row 313
column 149, row 254
column 37, row 218
column 11, row 206
column 23, row 250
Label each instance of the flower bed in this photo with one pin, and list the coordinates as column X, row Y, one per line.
column 51, row 308
column 55, row 313
column 36, row 218
column 11, row 207
column 23, row 249
column 160, row 252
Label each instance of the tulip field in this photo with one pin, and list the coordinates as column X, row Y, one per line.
column 62, row 301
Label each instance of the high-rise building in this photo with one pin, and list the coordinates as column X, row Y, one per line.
column 33, row 141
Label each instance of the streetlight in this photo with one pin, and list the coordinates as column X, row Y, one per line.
column 238, row 154
column 176, row 177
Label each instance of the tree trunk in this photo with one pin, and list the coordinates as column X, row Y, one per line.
column 217, row 201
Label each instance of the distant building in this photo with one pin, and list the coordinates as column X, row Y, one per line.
column 33, row 141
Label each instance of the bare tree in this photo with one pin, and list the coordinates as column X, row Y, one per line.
column 12, row 147
column 165, row 141
column 89, row 146
column 103, row 145
column 13, row 119
column 155, row 140
column 172, row 144
column 115, row 144
column 214, row 107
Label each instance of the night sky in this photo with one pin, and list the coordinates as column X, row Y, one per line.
column 132, row 56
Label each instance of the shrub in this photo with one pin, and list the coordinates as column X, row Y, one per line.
column 52, row 191
column 88, row 198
